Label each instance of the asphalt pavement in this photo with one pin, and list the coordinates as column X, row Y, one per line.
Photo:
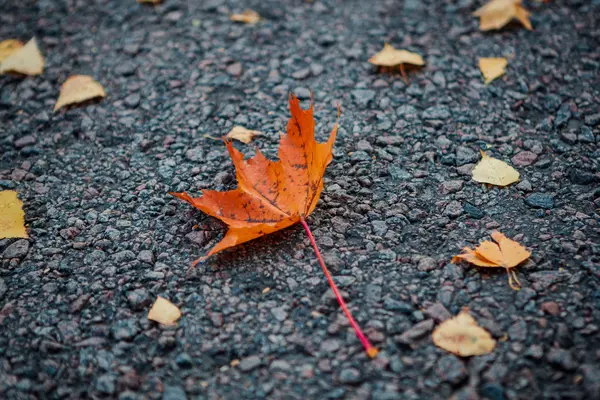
column 259, row 321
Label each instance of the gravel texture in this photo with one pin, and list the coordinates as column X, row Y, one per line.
column 106, row 239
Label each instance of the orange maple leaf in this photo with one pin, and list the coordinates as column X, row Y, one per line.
column 502, row 253
column 273, row 195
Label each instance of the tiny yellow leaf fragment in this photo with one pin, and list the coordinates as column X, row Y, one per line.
column 462, row 336
column 242, row 134
column 497, row 13
column 26, row 60
column 12, row 217
column 164, row 312
column 9, row 46
column 78, row 88
column 492, row 67
column 494, row 171
column 247, row 16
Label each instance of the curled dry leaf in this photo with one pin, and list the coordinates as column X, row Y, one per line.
column 391, row 57
column 242, row 134
column 26, row 60
column 9, row 46
column 492, row 67
column 247, row 16
column 164, row 312
column 12, row 217
column 462, row 336
column 497, row 13
column 502, row 253
column 493, row 171
column 78, row 88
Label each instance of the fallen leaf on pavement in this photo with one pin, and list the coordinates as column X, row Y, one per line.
column 493, row 171
column 502, row 253
column 492, row 67
column 164, row 312
column 391, row 57
column 247, row 16
column 150, row 1
column 12, row 217
column 9, row 46
column 462, row 336
column 498, row 13
column 78, row 88
column 26, row 60
column 273, row 195
column 242, row 134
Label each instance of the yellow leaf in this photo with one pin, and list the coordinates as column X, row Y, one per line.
column 495, row 172
column 497, row 13
column 27, row 60
column 12, row 217
column 502, row 253
column 462, row 336
column 391, row 57
column 492, row 67
column 164, row 312
column 9, row 46
column 78, row 88
column 247, row 17
column 242, row 134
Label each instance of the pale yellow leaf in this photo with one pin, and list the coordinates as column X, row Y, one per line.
column 78, row 88
column 247, row 16
column 242, row 134
column 495, row 172
column 27, row 60
column 164, row 312
column 391, row 57
column 492, row 67
column 497, row 13
column 9, row 46
column 462, row 336
column 12, row 217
